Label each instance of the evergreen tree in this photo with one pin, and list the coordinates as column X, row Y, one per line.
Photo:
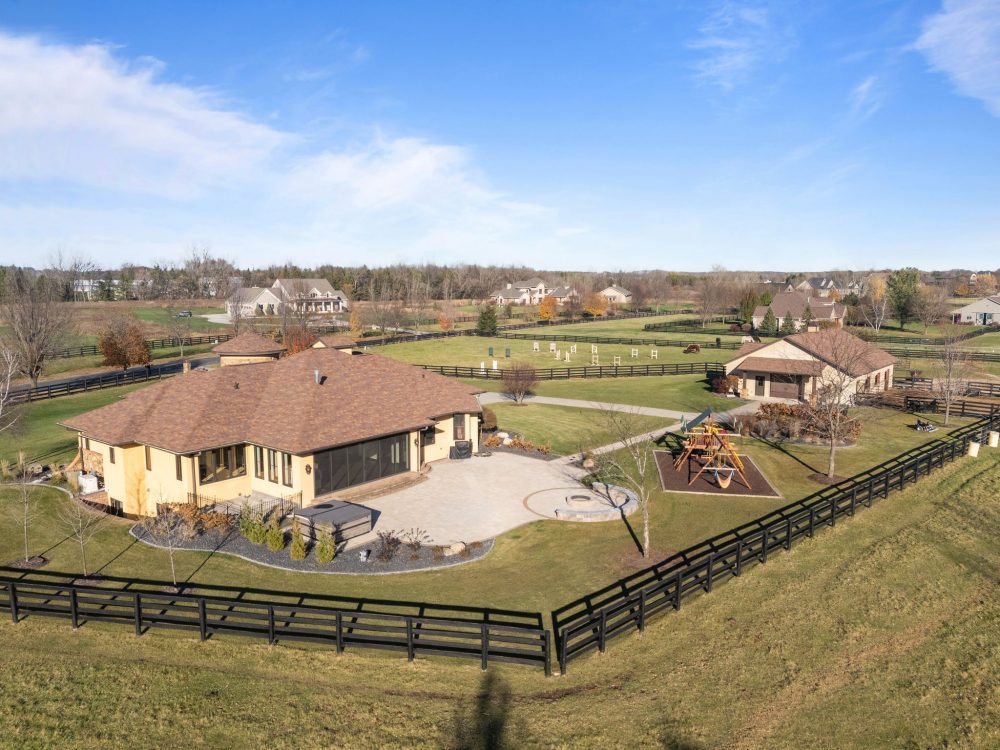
column 748, row 303
column 487, row 325
column 769, row 326
column 807, row 317
column 787, row 325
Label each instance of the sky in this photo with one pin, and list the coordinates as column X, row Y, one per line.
column 560, row 135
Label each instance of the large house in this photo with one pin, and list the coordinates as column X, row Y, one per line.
column 301, row 295
column 531, row 292
column 982, row 312
column 304, row 426
column 616, row 295
column 822, row 310
column 798, row 366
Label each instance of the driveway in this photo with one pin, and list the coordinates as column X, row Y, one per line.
column 470, row 500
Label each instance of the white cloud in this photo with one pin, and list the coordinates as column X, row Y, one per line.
column 736, row 38
column 963, row 41
column 866, row 98
column 105, row 147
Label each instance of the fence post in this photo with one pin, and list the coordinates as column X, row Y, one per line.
column 271, row 639
column 409, row 639
column 677, row 591
column 602, row 631
column 484, row 635
column 764, row 539
column 833, row 510
column 739, row 558
column 812, row 521
column 202, row 619
column 137, row 613
column 562, row 652
column 12, row 596
column 708, row 573
column 642, row 610
column 74, row 613
column 788, row 533
column 871, row 491
column 547, row 652
column 854, row 499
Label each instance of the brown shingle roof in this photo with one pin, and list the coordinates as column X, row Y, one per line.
column 822, row 308
column 843, row 350
column 279, row 405
column 336, row 341
column 249, row 343
column 782, row 365
column 747, row 348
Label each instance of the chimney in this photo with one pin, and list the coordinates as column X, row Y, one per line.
column 316, row 376
column 186, row 366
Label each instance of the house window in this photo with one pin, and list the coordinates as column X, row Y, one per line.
column 86, row 443
column 178, row 466
column 272, row 466
column 111, row 454
column 221, row 463
column 286, row 469
column 149, row 459
column 428, row 436
column 258, row 462
column 459, row 426
column 116, row 506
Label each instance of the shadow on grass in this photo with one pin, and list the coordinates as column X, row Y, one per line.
column 486, row 723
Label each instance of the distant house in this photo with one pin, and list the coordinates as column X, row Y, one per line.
column 564, row 295
column 616, row 295
column 311, row 295
column 823, row 309
column 797, row 366
column 528, row 292
column 982, row 312
column 303, row 295
column 820, row 286
column 248, row 348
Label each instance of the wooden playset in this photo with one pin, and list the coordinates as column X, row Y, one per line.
column 709, row 445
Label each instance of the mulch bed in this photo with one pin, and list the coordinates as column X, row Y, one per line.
column 405, row 561
column 821, row 478
column 677, row 481
column 32, row 563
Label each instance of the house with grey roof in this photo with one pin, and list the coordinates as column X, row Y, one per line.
column 616, row 295
column 821, row 309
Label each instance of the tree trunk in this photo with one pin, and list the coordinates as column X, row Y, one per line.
column 947, row 412
column 26, row 532
column 173, row 570
column 83, row 556
column 645, row 527
column 833, row 459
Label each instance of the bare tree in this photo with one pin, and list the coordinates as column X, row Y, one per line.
column 519, row 380
column 27, row 496
column 952, row 371
column 875, row 305
column 8, row 368
column 715, row 291
column 82, row 522
column 37, row 320
column 235, row 306
column 631, row 463
column 167, row 530
column 930, row 305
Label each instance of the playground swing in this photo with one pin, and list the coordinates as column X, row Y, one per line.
column 710, row 444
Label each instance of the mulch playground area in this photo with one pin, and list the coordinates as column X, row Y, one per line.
column 677, row 480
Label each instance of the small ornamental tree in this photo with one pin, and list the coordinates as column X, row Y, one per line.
column 275, row 535
column 787, row 325
column 298, row 550
column 807, row 317
column 769, row 325
column 487, row 325
column 298, row 338
column 518, row 380
column 122, row 343
column 445, row 322
column 81, row 522
column 356, row 323
column 547, row 310
column 167, row 529
column 595, row 304
column 326, row 547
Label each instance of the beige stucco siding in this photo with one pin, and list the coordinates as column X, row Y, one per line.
column 226, row 360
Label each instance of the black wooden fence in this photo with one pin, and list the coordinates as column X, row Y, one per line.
column 94, row 382
column 92, row 349
column 628, row 604
column 567, row 373
column 414, row 628
column 973, row 387
column 717, row 344
column 970, row 355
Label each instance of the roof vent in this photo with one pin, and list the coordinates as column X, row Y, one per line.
column 316, row 376
column 236, row 386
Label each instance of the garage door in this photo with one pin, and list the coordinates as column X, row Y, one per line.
column 784, row 386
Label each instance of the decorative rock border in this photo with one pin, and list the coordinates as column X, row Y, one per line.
column 612, row 513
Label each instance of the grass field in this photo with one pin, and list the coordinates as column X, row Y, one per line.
column 470, row 351
column 65, row 366
column 564, row 429
column 879, row 633
column 36, row 433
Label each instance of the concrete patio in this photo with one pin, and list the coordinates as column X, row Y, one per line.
column 470, row 500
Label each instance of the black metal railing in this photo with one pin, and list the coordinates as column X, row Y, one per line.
column 595, row 371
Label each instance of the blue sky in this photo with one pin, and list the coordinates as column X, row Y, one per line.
column 754, row 135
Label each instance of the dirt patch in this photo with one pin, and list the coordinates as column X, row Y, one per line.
column 633, row 559
column 32, row 563
column 680, row 480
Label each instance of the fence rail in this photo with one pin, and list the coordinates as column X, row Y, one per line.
column 511, row 637
column 967, row 354
column 567, row 373
column 94, row 382
column 717, row 344
column 628, row 604
column 974, row 387
column 168, row 343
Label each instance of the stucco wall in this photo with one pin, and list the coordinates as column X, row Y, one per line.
column 226, row 360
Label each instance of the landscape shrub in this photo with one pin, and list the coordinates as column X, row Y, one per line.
column 252, row 526
column 388, row 545
column 725, row 384
column 794, row 422
column 489, row 419
column 437, row 552
column 326, row 548
column 298, row 550
column 493, row 441
column 415, row 539
column 275, row 535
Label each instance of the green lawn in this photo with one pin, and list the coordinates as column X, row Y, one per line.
column 196, row 325
column 880, row 632
column 64, row 366
column 36, row 433
column 564, row 429
column 632, row 327
column 470, row 351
